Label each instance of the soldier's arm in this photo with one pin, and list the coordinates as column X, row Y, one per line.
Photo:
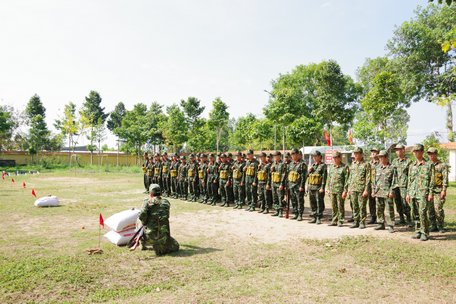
column 325, row 176
column 283, row 182
column 445, row 177
column 346, row 178
column 431, row 181
column 143, row 214
column 304, row 176
column 368, row 176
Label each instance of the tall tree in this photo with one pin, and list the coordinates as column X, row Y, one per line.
column 218, row 120
column 243, row 134
column 155, row 119
column 175, row 128
column 35, row 107
column 115, row 120
column 427, row 71
column 7, row 126
column 93, row 117
column 192, row 109
column 69, row 126
column 38, row 136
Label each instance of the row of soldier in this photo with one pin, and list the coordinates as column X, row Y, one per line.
column 270, row 182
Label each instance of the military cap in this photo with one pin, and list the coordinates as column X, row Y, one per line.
column 203, row 155
column 145, row 153
column 157, row 154
column 212, row 155
column 263, row 154
column 223, row 155
column 287, row 154
column 277, row 153
column 182, row 157
column 375, row 149
column 418, row 147
column 383, row 153
column 155, row 189
column 432, row 150
column 192, row 155
column 294, row 151
column 358, row 150
column 336, row 154
column 270, row 155
column 399, row 146
column 243, row 155
column 316, row 152
column 250, row 152
column 239, row 153
column 165, row 154
column 229, row 154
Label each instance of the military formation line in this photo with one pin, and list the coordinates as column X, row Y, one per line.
column 416, row 189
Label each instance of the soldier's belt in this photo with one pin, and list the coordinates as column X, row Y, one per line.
column 315, row 179
column 276, row 177
column 157, row 171
column 250, row 171
column 144, row 169
column 223, row 174
column 237, row 174
column 261, row 175
column 165, row 170
column 200, row 174
column 173, row 173
column 190, row 173
column 438, row 179
column 150, row 172
column 293, row 176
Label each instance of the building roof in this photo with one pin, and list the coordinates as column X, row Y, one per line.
column 449, row 146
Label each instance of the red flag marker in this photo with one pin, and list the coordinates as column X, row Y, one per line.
column 33, row 192
column 327, row 137
column 101, row 221
column 12, row 180
column 24, row 185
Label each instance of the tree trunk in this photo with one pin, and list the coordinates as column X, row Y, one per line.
column 449, row 123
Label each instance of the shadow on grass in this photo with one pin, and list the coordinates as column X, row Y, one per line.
column 189, row 250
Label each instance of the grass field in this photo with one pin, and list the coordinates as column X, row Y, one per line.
column 43, row 258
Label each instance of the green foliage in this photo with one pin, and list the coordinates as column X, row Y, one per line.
column 38, row 135
column 175, row 128
column 35, row 107
column 433, row 140
column 135, row 128
column 242, row 137
column 449, row 2
column 115, row 117
column 7, row 126
column 218, row 121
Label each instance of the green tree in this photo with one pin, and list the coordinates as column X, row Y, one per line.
column 155, row 119
column 114, row 122
column 69, row 126
column 427, row 71
column 449, row 2
column 38, row 136
column 35, row 107
column 218, row 120
column 7, row 126
column 175, row 128
column 243, row 134
column 433, row 140
column 93, row 118
column 192, row 109
column 263, row 134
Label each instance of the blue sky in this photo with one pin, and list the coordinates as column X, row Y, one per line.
column 145, row 51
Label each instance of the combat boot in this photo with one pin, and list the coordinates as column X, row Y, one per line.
column 266, row 211
column 318, row 221
column 295, row 216
column 223, row 205
column 380, row 227
column 248, row 209
column 236, row 206
column 390, row 229
column 417, row 235
column 351, row 220
column 281, row 213
column 355, row 225
column 313, row 220
column 300, row 217
column 261, row 210
column 373, row 220
column 277, row 213
column 434, row 228
column 424, row 237
column 252, row 209
column 362, row 226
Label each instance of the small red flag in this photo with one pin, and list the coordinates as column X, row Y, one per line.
column 101, row 221
column 327, row 137
column 24, row 185
column 350, row 137
column 33, row 192
column 12, row 180
column 3, row 176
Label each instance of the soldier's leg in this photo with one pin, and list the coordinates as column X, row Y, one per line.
column 276, row 200
column 320, row 204
column 268, row 200
column 222, row 191
column 354, row 196
column 215, row 193
column 390, row 214
column 399, row 205
column 380, row 213
column 416, row 215
column 352, row 218
column 341, row 203
column 236, row 195
column 313, row 205
column 241, row 196
column 423, row 206
column 335, row 208
column 432, row 215
column 363, row 210
column 440, row 213
column 300, row 204
column 406, row 207
column 294, row 202
column 262, row 197
column 372, row 209
column 254, row 196
column 146, row 182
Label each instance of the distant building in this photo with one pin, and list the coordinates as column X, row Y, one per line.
column 451, row 147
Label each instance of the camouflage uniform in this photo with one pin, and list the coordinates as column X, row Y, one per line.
column 401, row 169
column 358, row 182
column 278, row 181
column 419, row 187
column 192, row 178
column 173, row 173
column 372, row 201
column 382, row 187
column 202, row 180
column 337, row 183
column 182, row 176
column 262, row 181
column 212, row 182
column 251, row 169
column 165, row 176
column 296, row 181
column 146, row 176
column 150, row 172
column 316, row 180
column 439, row 184
column 238, row 183
column 157, row 173
column 154, row 216
column 224, row 179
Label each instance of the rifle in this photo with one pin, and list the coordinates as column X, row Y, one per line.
column 287, row 213
column 134, row 242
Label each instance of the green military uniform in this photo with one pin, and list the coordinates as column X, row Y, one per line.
column 419, row 187
column 238, row 183
column 316, row 181
column 182, row 176
column 224, row 179
column 382, row 188
column 251, row 169
column 165, row 175
column 296, row 181
column 262, row 181
column 150, row 172
column 372, row 200
column 337, row 183
column 192, row 178
column 229, row 186
column 157, row 172
column 401, row 169
column 146, row 176
column 202, row 179
column 358, row 182
column 278, row 183
column 439, row 183
column 173, row 174
column 212, row 180
column 154, row 216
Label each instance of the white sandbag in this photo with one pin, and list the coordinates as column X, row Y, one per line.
column 47, row 201
column 120, row 239
column 123, row 221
